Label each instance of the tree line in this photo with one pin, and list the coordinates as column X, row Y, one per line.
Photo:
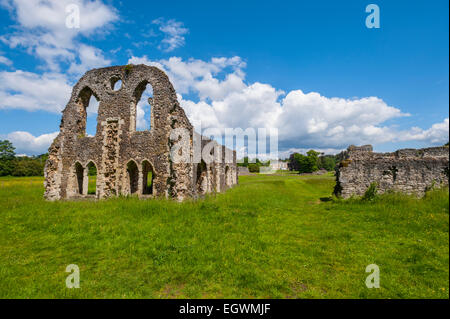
column 309, row 163
column 253, row 165
column 312, row 162
column 12, row 165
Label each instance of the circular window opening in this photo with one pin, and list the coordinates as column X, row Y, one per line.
column 116, row 84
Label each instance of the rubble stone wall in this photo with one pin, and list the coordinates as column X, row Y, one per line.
column 411, row 171
column 123, row 156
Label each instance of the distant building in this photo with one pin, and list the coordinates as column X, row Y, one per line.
column 278, row 165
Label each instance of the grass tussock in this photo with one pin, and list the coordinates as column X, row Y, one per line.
column 269, row 237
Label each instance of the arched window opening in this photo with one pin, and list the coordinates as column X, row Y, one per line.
column 79, row 171
column 88, row 104
column 92, row 178
column 148, row 176
column 91, row 120
column 143, row 107
column 201, row 178
column 227, row 176
column 116, row 83
column 133, row 176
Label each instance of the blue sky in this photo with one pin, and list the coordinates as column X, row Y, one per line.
column 310, row 68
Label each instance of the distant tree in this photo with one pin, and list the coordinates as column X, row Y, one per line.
column 294, row 162
column 327, row 162
column 308, row 163
column 28, row 166
column 7, row 150
column 10, row 165
column 313, row 161
column 303, row 164
column 7, row 155
column 244, row 162
column 92, row 170
column 253, row 168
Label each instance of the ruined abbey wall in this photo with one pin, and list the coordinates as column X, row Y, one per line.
column 124, row 157
column 411, row 171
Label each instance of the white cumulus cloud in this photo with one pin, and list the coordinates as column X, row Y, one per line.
column 41, row 27
column 30, row 91
column 26, row 143
column 438, row 133
column 303, row 119
column 89, row 57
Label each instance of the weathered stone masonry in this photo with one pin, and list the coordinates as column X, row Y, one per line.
column 410, row 171
column 123, row 156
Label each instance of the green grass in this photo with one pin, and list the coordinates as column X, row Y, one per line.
column 92, row 185
column 270, row 237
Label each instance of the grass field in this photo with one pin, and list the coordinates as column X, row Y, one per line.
column 269, row 237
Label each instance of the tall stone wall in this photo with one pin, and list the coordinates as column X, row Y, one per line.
column 411, row 171
column 124, row 158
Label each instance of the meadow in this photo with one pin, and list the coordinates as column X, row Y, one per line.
column 269, row 237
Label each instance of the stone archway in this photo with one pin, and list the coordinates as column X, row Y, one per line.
column 133, row 177
column 148, row 176
column 79, row 174
column 91, row 178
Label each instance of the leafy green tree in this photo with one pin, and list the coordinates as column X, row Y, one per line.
column 313, row 161
column 7, row 150
column 327, row 162
column 244, row 163
column 7, row 155
column 10, row 165
column 308, row 163
column 28, row 166
column 253, row 168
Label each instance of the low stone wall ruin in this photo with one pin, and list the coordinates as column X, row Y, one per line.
column 411, row 171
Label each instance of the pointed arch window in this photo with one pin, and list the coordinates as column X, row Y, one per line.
column 88, row 103
column 142, row 108
column 148, row 176
column 92, row 178
column 133, row 177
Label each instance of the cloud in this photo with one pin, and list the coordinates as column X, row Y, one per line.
column 5, row 60
column 42, row 29
column 26, row 143
column 174, row 32
column 437, row 134
column 30, row 91
column 303, row 119
column 334, row 122
column 199, row 76
column 89, row 58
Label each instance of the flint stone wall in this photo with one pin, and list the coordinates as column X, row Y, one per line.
column 123, row 156
column 411, row 171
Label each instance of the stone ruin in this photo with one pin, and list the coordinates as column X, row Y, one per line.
column 411, row 171
column 125, row 158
